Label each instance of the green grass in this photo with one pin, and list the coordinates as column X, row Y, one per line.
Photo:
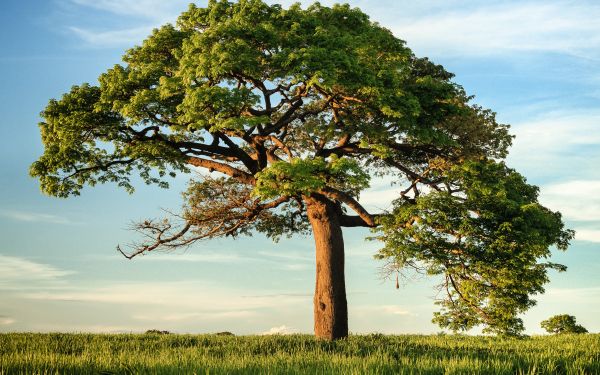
column 58, row 353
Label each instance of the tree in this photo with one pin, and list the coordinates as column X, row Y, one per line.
column 290, row 113
column 562, row 324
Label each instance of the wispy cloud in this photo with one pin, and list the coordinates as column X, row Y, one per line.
column 395, row 310
column 142, row 15
column 5, row 320
column 561, row 139
column 287, row 255
column 112, row 38
column 185, row 305
column 576, row 200
column 556, row 131
column 97, row 328
column 150, row 9
column 21, row 273
column 459, row 28
column 190, row 295
column 191, row 316
column 588, row 235
column 511, row 27
column 384, row 310
column 286, row 260
column 281, row 330
column 566, row 296
column 196, row 256
column 34, row 217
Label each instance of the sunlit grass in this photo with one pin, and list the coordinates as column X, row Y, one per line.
column 57, row 353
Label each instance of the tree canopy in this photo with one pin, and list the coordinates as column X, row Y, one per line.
column 563, row 323
column 280, row 107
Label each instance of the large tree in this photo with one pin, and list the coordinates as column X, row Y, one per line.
column 290, row 113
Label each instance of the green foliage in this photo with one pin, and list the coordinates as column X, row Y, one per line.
column 306, row 176
column 485, row 236
column 285, row 103
column 562, row 324
column 30, row 353
column 85, row 145
column 199, row 77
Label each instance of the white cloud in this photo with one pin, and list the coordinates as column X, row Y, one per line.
column 144, row 15
column 588, row 235
column 558, row 27
column 202, row 316
column 287, row 255
column 5, row 321
column 296, row 267
column 561, row 130
column 281, row 330
column 562, row 143
column 185, row 295
column 112, row 38
column 176, row 305
column 286, row 260
column 382, row 310
column 17, row 273
column 574, row 295
column 151, row 9
column 395, row 310
column 34, row 217
column 99, row 329
column 577, row 200
column 196, row 256
column 456, row 28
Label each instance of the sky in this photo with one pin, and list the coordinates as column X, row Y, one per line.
column 536, row 63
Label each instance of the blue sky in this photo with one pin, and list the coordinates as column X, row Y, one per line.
column 536, row 63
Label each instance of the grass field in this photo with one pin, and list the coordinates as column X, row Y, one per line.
column 56, row 353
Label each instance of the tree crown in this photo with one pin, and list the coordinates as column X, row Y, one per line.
column 563, row 323
column 285, row 104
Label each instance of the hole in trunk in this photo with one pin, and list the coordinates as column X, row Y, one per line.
column 322, row 305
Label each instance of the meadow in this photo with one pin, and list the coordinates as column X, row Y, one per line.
column 61, row 353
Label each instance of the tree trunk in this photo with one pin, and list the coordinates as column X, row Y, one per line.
column 330, row 306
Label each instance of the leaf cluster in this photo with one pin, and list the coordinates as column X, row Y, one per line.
column 486, row 236
column 306, row 176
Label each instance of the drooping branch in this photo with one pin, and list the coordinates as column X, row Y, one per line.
column 214, row 208
column 159, row 230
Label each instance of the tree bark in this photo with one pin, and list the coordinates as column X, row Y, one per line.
column 330, row 305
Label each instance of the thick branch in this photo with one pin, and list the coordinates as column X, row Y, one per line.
column 355, row 221
column 277, row 142
column 241, row 154
column 285, row 119
column 223, row 168
column 350, row 202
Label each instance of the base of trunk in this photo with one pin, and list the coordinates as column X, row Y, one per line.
column 330, row 305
